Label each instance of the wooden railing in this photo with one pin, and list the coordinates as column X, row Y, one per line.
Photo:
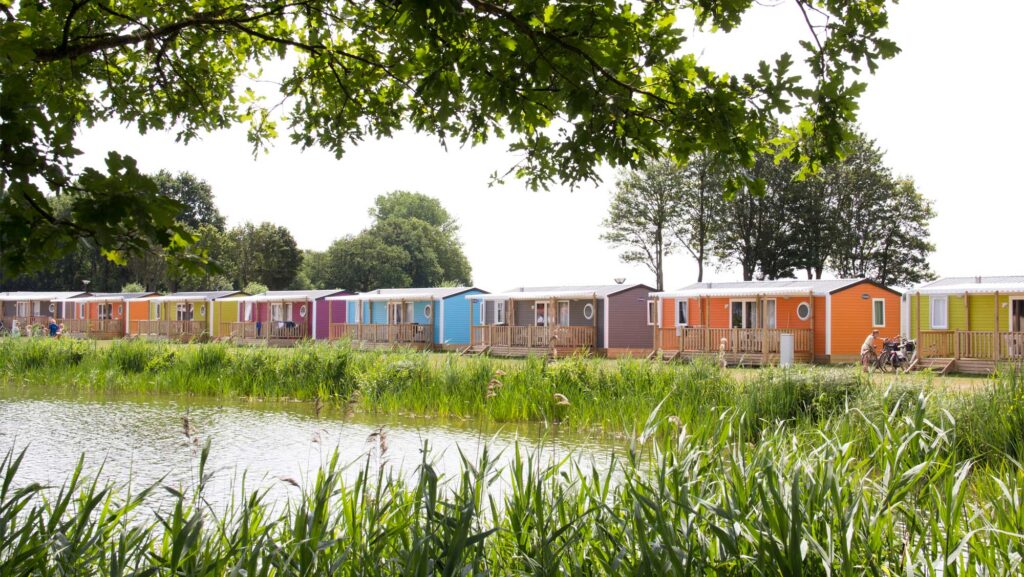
column 986, row 345
column 174, row 329
column 268, row 330
column 94, row 327
column 405, row 334
column 746, row 341
column 578, row 337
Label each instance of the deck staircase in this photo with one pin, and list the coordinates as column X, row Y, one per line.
column 936, row 364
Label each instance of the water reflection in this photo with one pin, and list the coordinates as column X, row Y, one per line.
column 142, row 439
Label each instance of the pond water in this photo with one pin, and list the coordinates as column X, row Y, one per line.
column 141, row 439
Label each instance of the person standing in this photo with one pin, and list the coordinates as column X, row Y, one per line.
column 867, row 350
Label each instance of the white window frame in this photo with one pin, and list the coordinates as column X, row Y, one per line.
column 802, row 317
column 184, row 312
column 482, row 312
column 652, row 312
column 683, row 306
column 499, row 312
column 276, row 312
column 568, row 313
column 745, row 317
column 81, row 310
column 934, row 300
column 874, row 302
column 21, row 309
column 159, row 311
column 771, row 321
column 428, row 311
column 1009, row 313
column 247, row 311
column 590, row 307
column 37, row 308
column 539, row 321
column 104, row 311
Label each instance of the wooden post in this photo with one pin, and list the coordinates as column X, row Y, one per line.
column 764, row 329
column 812, row 318
column 593, row 321
column 472, row 305
column 995, row 331
column 918, row 338
column 657, row 325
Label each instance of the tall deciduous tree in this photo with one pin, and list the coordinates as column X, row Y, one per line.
column 195, row 196
column 266, row 254
column 618, row 80
column 365, row 262
column 702, row 208
column 644, row 212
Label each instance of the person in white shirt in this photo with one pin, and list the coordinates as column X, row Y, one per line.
column 867, row 349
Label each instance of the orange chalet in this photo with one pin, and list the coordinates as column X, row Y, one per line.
column 744, row 321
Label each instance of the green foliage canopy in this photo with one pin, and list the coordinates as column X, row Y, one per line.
column 570, row 85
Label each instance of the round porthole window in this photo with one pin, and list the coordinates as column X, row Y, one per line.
column 120, row 309
column 202, row 310
column 803, row 311
column 588, row 311
column 303, row 310
column 53, row 308
column 428, row 311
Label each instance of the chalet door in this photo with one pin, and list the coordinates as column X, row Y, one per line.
column 563, row 313
column 743, row 314
column 1017, row 315
column 540, row 314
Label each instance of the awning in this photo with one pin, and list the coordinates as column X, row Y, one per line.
column 972, row 288
column 796, row 291
column 269, row 299
column 384, row 297
column 535, row 296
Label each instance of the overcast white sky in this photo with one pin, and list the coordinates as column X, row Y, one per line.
column 947, row 111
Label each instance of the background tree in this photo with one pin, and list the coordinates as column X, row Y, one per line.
column 365, row 262
column 195, row 196
column 643, row 213
column 133, row 287
column 756, row 234
column 255, row 288
column 266, row 254
column 701, row 208
column 619, row 77
column 316, row 268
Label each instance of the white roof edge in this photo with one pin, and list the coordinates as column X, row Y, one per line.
column 534, row 295
column 171, row 298
column 99, row 299
column 976, row 288
column 740, row 292
column 270, row 299
column 386, row 297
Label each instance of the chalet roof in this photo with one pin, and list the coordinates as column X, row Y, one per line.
column 408, row 294
column 110, row 297
column 782, row 287
column 286, row 296
column 974, row 285
column 196, row 296
column 38, row 296
column 559, row 292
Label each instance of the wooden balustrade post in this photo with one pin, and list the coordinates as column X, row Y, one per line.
column 995, row 331
column 764, row 329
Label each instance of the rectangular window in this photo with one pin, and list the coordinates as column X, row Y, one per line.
column 499, row 312
column 743, row 314
column 878, row 312
column 652, row 312
column 540, row 314
column 276, row 312
column 184, row 311
column 483, row 312
column 37, row 308
column 939, row 307
column 248, row 312
column 410, row 315
column 395, row 313
column 682, row 313
column 22, row 309
column 769, row 313
column 564, row 319
column 157, row 310
column 105, row 311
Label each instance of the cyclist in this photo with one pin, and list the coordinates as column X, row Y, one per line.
column 867, row 350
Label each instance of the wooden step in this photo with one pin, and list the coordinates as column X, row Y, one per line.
column 938, row 365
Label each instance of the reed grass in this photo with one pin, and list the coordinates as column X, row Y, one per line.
column 853, row 496
column 576, row 393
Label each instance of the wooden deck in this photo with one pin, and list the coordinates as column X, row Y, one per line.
column 248, row 332
column 742, row 347
column 94, row 328
column 972, row 352
column 380, row 336
column 178, row 330
column 519, row 341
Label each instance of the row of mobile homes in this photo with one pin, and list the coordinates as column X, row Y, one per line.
column 280, row 317
column 24, row 309
column 744, row 321
column 968, row 324
column 562, row 320
column 419, row 318
column 104, row 315
column 182, row 316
